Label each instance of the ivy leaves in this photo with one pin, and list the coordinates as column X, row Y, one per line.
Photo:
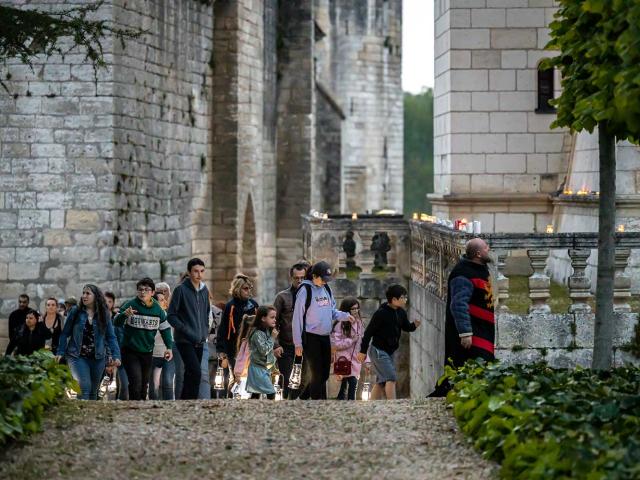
column 27, row 385
column 540, row 422
column 599, row 60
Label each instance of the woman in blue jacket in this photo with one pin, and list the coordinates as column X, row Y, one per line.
column 86, row 341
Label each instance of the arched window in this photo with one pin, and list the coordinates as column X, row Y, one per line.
column 545, row 90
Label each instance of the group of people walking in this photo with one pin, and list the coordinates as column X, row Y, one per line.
column 166, row 341
column 169, row 344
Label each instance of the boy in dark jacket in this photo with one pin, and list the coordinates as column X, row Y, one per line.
column 189, row 315
column 383, row 332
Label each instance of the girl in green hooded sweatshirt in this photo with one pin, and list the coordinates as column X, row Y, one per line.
column 262, row 360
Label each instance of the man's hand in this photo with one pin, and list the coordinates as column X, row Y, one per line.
column 298, row 351
column 130, row 312
column 114, row 362
column 278, row 352
column 361, row 357
column 58, row 358
column 466, row 342
column 417, row 322
column 168, row 355
column 109, row 370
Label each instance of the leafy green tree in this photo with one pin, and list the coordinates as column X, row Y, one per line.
column 27, row 34
column 599, row 44
column 418, row 151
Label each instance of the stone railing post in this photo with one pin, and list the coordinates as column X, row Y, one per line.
column 539, row 282
column 579, row 283
column 502, row 282
column 622, row 282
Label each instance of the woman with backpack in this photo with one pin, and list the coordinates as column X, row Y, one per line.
column 261, row 338
column 313, row 316
column 346, row 338
column 228, row 337
column 85, row 338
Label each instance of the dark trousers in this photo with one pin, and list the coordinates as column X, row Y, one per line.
column 316, row 366
column 348, row 388
column 285, row 365
column 191, row 355
column 270, row 396
column 138, row 366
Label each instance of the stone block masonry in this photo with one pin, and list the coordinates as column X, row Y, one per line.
column 496, row 158
column 106, row 182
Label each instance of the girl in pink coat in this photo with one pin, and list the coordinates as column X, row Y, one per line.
column 346, row 338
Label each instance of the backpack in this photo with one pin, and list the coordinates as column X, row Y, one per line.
column 307, row 303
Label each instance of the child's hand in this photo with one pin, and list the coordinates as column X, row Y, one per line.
column 278, row 352
column 275, row 333
column 361, row 357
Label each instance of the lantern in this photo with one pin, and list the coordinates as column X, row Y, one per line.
column 354, row 216
column 620, row 228
column 296, row 376
column 218, row 383
column 366, row 391
column 549, row 229
column 276, row 379
column 415, row 216
column 278, row 393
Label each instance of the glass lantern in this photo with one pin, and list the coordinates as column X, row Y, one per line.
column 366, row 391
column 219, row 379
column 278, row 393
column 296, row 376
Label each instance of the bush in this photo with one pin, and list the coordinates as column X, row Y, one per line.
column 542, row 423
column 28, row 384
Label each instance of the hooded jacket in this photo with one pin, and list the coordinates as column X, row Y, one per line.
column 188, row 313
column 348, row 346
column 320, row 315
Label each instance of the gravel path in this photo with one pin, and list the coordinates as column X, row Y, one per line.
column 247, row 439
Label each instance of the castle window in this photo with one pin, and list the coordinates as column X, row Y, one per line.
column 545, row 90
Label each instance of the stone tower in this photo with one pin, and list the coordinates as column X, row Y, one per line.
column 208, row 137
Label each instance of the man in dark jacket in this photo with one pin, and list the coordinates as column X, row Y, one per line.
column 470, row 324
column 284, row 303
column 189, row 315
column 383, row 332
column 16, row 321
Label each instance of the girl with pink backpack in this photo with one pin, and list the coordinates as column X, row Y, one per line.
column 346, row 338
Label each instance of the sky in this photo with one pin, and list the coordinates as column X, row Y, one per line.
column 417, row 45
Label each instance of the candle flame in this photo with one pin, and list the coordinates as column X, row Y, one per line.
column 620, row 228
column 549, row 229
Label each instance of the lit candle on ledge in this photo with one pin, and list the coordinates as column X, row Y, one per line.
column 549, row 228
column 620, row 228
column 354, row 216
column 423, row 217
column 325, row 216
column 415, row 216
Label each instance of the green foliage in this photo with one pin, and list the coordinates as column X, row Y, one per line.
column 418, row 151
column 599, row 43
column 542, row 423
column 28, row 384
column 26, row 34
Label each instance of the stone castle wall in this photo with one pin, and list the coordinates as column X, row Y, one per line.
column 104, row 182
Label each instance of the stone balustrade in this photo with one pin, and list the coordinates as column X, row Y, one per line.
column 372, row 251
column 562, row 338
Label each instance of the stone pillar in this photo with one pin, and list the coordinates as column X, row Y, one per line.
column 579, row 283
column 502, row 282
column 296, row 129
column 539, row 282
column 622, row 282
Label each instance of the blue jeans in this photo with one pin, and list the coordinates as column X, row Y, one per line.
column 161, row 379
column 348, row 388
column 88, row 373
column 122, row 381
column 205, row 385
